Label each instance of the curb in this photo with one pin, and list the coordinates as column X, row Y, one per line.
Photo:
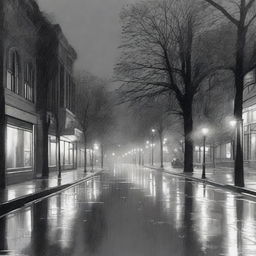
column 19, row 202
column 240, row 190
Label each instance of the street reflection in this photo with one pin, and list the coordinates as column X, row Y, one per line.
column 136, row 211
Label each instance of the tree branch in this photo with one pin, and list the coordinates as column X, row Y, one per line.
column 225, row 12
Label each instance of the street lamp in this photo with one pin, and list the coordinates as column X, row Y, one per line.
column 152, row 144
column 204, row 132
column 233, row 123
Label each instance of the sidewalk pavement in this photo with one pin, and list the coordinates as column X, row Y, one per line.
column 222, row 177
column 15, row 196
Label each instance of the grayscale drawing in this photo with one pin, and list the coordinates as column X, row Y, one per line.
column 128, row 127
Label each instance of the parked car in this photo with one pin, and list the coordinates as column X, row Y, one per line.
column 177, row 163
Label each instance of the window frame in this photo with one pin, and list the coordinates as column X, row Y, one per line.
column 29, row 82
column 13, row 71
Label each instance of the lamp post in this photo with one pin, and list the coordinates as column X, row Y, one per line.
column 204, row 132
column 152, row 145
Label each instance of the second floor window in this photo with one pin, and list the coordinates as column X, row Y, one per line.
column 29, row 82
column 13, row 72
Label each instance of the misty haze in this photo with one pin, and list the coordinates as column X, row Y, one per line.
column 127, row 127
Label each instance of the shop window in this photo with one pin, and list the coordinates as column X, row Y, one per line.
column 29, row 82
column 254, row 115
column 218, row 152
column 71, row 152
column 67, row 156
column 19, row 148
column 228, row 150
column 52, row 150
column 253, row 146
column 223, row 151
column 13, row 71
column 245, row 118
column 246, row 147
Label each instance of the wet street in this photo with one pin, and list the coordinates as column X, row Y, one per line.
column 134, row 212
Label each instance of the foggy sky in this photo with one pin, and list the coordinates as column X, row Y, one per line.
column 93, row 29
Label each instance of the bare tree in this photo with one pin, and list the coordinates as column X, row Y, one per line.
column 242, row 14
column 103, row 116
column 83, row 100
column 163, row 53
column 213, row 107
column 154, row 114
column 93, row 110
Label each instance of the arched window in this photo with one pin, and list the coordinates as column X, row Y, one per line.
column 13, row 71
column 29, row 82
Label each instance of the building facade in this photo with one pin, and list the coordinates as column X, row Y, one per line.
column 221, row 144
column 24, row 88
column 61, row 109
column 20, row 89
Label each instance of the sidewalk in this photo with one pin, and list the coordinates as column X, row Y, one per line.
column 14, row 196
column 222, row 177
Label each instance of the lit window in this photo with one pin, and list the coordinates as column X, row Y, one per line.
column 254, row 115
column 228, row 150
column 19, row 147
column 245, row 118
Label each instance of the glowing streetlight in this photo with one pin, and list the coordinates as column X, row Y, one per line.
column 205, row 131
column 96, row 146
column 233, row 123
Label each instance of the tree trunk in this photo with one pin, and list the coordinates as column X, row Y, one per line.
column 92, row 159
column 85, row 154
column 188, row 129
column 102, row 156
column 2, row 103
column 213, row 156
column 45, row 130
column 238, row 106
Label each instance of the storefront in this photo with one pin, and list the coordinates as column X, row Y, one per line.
column 67, row 153
column 249, row 121
column 224, row 152
column 80, row 157
column 198, row 154
column 19, row 151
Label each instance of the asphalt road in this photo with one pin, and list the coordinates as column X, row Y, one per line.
column 133, row 212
